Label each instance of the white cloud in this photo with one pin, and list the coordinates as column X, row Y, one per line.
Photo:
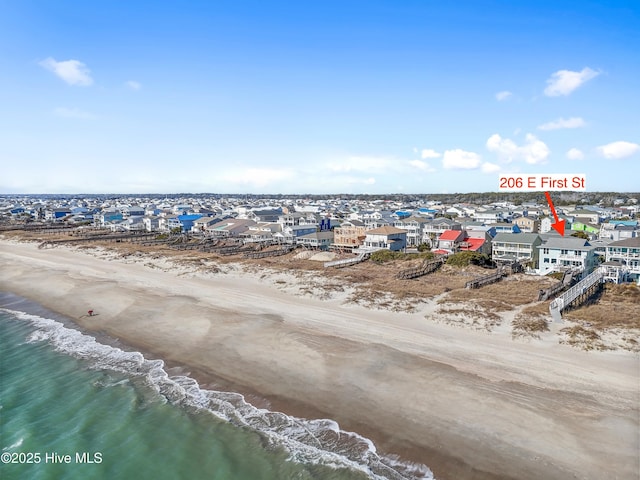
column 575, row 154
column 73, row 72
column 560, row 123
column 420, row 165
column 490, row 167
column 133, row 85
column 534, row 151
column 504, row 95
column 428, row 153
column 460, row 159
column 617, row 150
column 72, row 113
column 563, row 82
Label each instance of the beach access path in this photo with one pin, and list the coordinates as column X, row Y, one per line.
column 471, row 405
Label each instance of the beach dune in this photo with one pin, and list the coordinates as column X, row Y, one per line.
column 470, row 405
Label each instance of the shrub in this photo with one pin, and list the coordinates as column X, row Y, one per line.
column 382, row 256
column 463, row 259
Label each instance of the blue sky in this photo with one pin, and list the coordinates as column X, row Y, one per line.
column 316, row 96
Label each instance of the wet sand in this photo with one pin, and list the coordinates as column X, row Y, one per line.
column 470, row 405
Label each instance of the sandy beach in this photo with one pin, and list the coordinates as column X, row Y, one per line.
column 469, row 404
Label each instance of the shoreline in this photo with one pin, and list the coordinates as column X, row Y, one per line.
column 361, row 367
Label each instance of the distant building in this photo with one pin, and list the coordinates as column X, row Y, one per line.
column 528, row 224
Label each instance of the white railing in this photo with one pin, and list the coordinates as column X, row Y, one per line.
column 564, row 300
column 347, row 261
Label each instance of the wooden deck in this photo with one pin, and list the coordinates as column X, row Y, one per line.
column 345, row 262
column 486, row 279
column 576, row 295
column 567, row 279
column 428, row 266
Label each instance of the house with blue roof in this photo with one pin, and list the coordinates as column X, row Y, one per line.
column 187, row 221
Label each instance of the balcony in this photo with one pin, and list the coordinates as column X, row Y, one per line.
column 573, row 258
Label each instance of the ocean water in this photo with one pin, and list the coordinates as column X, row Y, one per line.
column 74, row 408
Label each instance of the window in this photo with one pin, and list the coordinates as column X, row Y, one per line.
column 545, row 251
column 553, row 260
column 546, row 260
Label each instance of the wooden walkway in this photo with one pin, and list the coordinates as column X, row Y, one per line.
column 428, row 266
column 567, row 279
column 270, row 253
column 345, row 262
column 576, row 295
column 486, row 279
column 133, row 238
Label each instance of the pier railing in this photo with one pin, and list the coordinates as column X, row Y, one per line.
column 428, row 266
column 577, row 294
column 347, row 261
column 567, row 279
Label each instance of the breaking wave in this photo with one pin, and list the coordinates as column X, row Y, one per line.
column 320, row 442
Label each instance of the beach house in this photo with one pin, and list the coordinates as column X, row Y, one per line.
column 545, row 223
column 450, row 240
column 508, row 247
column 318, row 240
column 627, row 253
column 414, row 226
column 561, row 253
column 527, row 224
column 349, row 235
column 432, row 229
column 387, row 237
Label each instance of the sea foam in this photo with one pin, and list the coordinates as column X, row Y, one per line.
column 318, row 441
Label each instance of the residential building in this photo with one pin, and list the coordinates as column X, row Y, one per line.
column 545, row 223
column 434, row 228
column 506, row 227
column 349, row 235
column 230, row 227
column 528, row 224
column 507, row 247
column 588, row 216
column 450, row 241
column 619, row 229
column 414, row 225
column 387, row 237
column 581, row 225
column 561, row 253
column 626, row 252
column 319, row 240
column 151, row 223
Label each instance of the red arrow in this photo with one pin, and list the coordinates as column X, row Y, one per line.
column 558, row 226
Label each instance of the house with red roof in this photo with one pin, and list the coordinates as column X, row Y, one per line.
column 452, row 241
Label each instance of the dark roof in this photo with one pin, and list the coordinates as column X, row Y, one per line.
column 517, row 237
column 568, row 243
column 627, row 242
